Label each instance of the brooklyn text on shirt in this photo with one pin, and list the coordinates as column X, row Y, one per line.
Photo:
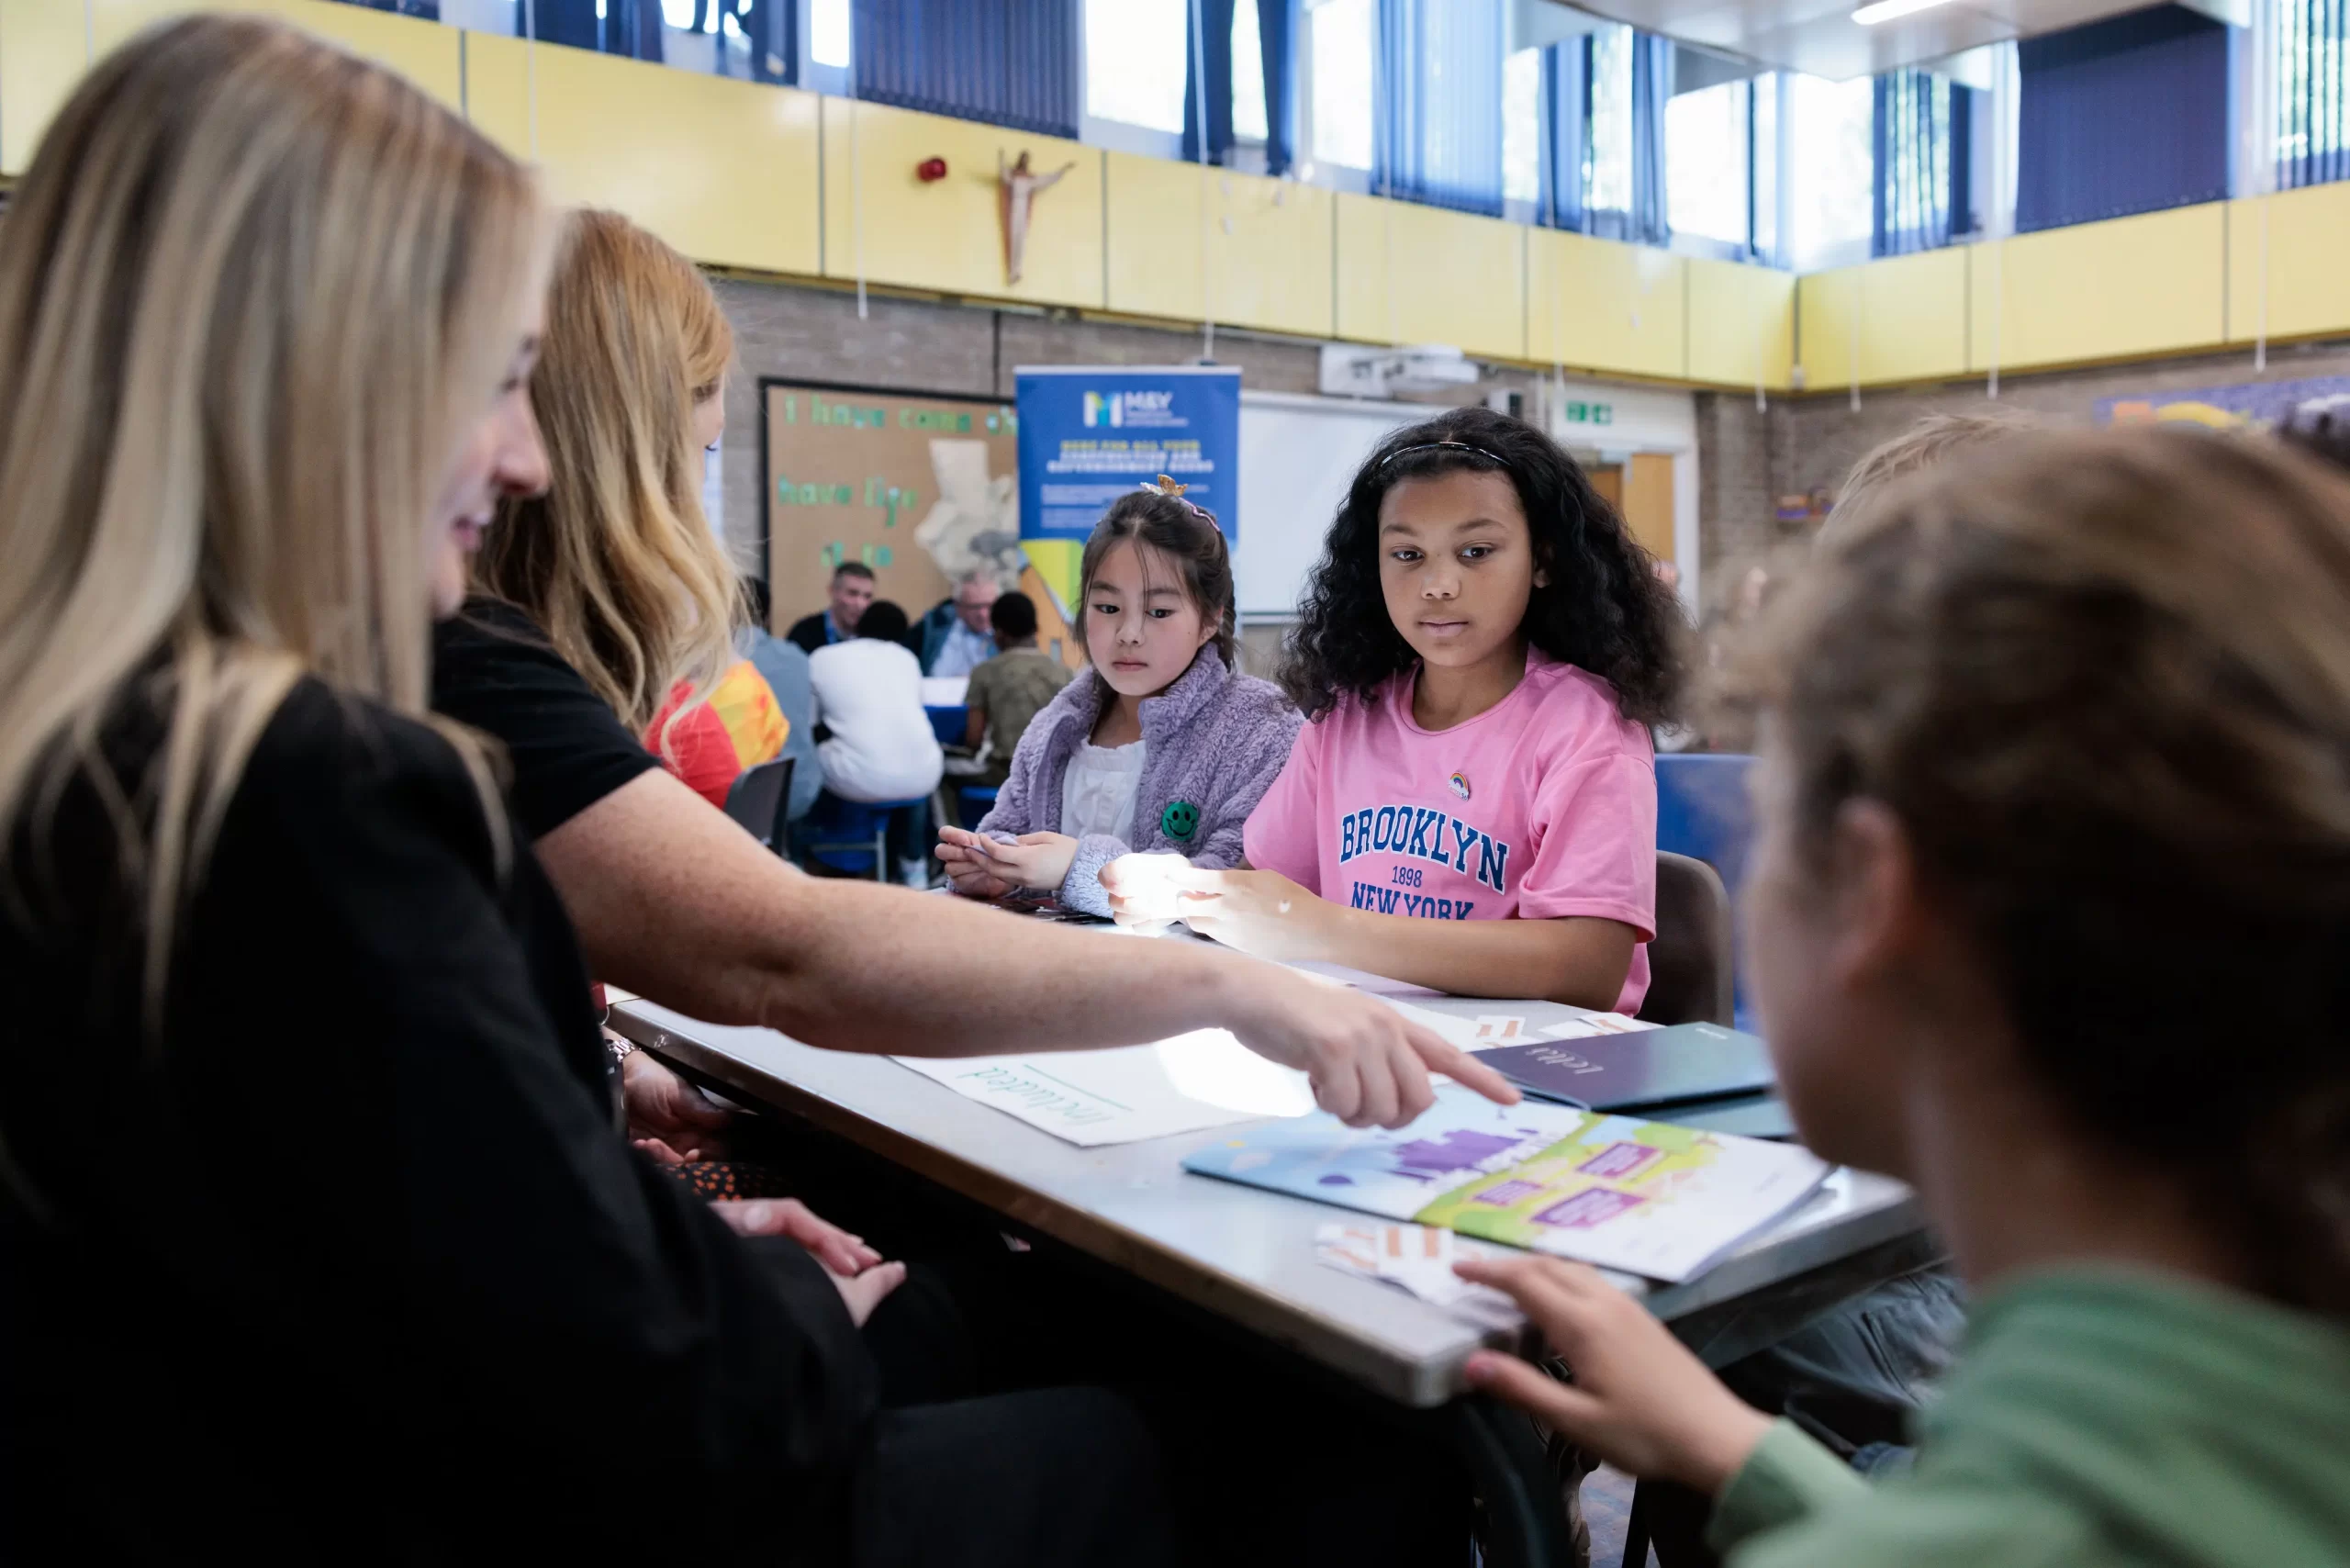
column 1420, row 833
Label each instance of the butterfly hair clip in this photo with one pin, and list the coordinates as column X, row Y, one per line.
column 1174, row 492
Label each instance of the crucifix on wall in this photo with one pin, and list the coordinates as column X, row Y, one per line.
column 1016, row 189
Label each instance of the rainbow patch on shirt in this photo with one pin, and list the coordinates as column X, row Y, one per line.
column 1459, row 784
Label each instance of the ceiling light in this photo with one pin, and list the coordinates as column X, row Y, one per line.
column 1886, row 10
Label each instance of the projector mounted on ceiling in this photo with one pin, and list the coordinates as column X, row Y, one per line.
column 1350, row 372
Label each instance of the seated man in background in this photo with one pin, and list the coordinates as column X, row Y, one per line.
column 785, row 665
column 880, row 747
column 1009, row 689
column 852, row 589
column 953, row 638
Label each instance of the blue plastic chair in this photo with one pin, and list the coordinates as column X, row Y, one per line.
column 972, row 803
column 1702, row 811
column 948, row 724
column 850, row 835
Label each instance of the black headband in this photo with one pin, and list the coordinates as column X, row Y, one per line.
column 1440, row 445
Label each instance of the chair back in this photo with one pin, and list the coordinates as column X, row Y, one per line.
column 1689, row 963
column 1702, row 810
column 759, row 799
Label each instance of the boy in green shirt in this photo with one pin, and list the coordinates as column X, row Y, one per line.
column 1011, row 688
column 2048, row 910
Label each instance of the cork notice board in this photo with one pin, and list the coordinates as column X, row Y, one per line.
column 923, row 489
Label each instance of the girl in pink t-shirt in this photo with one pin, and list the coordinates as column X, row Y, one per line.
column 1472, row 804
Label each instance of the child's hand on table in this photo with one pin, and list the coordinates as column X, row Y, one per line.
column 1258, row 911
column 1639, row 1399
column 1039, row 861
column 1370, row 1066
column 969, row 870
column 666, row 1109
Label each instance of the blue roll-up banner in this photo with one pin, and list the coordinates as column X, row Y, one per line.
column 1091, row 433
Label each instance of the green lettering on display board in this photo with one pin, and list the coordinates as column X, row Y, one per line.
column 790, row 495
column 1590, row 413
column 890, row 499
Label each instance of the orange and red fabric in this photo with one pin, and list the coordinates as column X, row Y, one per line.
column 739, row 726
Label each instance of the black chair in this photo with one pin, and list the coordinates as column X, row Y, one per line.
column 1690, row 971
column 761, row 801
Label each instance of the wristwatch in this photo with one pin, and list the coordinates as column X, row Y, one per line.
column 621, row 1047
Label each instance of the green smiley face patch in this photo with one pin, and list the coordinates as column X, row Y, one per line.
column 1180, row 820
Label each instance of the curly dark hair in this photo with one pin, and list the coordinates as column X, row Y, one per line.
column 1604, row 610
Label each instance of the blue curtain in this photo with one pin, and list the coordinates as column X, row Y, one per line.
column 1280, row 23
column 2313, row 108
column 627, row 26
column 1208, row 24
column 1651, row 90
column 1437, row 137
column 1277, row 30
column 1008, row 62
column 1566, row 131
column 1911, row 132
column 1966, row 106
column 2127, row 115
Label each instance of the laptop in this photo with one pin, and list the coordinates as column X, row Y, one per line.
column 1639, row 1070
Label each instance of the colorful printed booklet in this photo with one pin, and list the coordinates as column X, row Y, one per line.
column 1645, row 1197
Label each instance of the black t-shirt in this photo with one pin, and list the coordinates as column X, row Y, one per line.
column 493, row 669
column 348, row 1262
column 809, row 632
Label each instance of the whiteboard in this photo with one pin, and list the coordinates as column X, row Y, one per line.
column 1297, row 456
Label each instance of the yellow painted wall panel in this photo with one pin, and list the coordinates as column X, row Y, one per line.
column 1269, row 253
column 1913, row 317
column 1408, row 274
column 497, row 91
column 947, row 235
column 1600, row 305
column 44, row 51
column 725, row 171
column 1742, row 324
column 1153, row 232
column 1828, row 309
column 2285, row 250
column 425, row 52
column 41, row 58
column 2150, row 285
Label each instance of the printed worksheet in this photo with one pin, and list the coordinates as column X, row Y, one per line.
column 1646, row 1197
column 1205, row 1079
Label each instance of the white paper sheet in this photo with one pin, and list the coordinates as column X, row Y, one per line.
column 1371, row 984
column 1418, row 1259
column 1206, row 1079
column 945, row 691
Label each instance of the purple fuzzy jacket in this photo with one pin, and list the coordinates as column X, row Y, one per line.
column 1214, row 739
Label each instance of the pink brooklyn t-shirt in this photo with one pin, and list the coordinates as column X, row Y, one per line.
column 1543, row 806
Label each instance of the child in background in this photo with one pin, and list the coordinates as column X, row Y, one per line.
column 1472, row 804
column 2052, row 799
column 1008, row 692
column 1164, row 747
column 868, row 694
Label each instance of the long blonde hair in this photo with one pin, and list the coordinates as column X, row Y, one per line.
column 615, row 562
column 251, row 291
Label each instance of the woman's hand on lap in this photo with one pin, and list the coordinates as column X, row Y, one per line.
column 836, row 1248
column 663, row 1108
column 1639, row 1399
column 1369, row 1065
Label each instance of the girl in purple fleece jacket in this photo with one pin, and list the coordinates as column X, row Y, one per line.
column 1163, row 748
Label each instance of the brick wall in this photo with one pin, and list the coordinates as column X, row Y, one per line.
column 1746, row 460
column 813, row 334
